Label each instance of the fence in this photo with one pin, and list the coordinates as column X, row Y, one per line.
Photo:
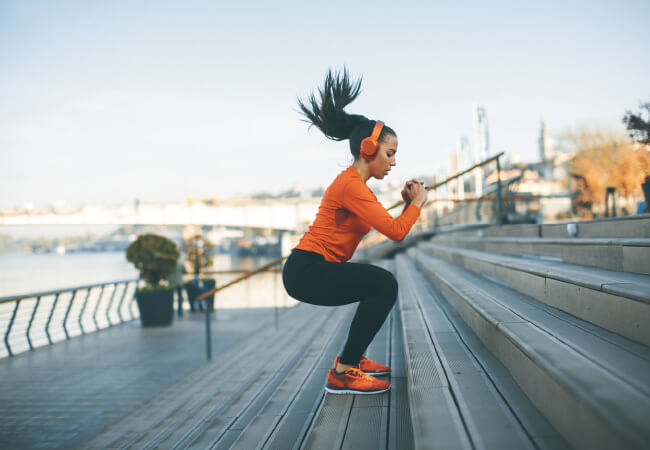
column 43, row 318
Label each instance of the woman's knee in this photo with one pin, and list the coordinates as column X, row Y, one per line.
column 387, row 285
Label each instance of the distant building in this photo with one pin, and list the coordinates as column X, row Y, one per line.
column 455, row 187
column 481, row 138
column 465, row 156
column 545, row 152
column 467, row 159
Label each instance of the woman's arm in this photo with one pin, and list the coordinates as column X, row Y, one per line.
column 359, row 199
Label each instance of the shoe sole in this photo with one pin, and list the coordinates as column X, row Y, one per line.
column 377, row 373
column 353, row 391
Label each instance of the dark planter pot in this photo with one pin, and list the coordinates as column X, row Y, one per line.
column 156, row 307
column 194, row 291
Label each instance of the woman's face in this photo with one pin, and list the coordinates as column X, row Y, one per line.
column 385, row 158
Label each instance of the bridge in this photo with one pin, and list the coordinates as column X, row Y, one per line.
column 279, row 214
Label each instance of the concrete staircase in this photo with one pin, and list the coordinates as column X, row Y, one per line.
column 565, row 340
column 513, row 337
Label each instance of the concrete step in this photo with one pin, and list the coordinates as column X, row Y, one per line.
column 617, row 301
column 207, row 391
column 636, row 226
column 589, row 383
column 460, row 396
column 619, row 254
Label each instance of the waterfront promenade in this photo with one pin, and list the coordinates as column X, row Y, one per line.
column 60, row 395
column 530, row 336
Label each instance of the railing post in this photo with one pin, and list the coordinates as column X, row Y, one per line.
column 49, row 319
column 119, row 305
column 81, row 313
column 133, row 302
column 11, row 323
column 275, row 298
column 99, row 300
column 208, row 338
column 31, row 319
column 65, row 319
column 499, row 204
column 110, row 302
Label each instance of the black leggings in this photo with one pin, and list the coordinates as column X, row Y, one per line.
column 308, row 277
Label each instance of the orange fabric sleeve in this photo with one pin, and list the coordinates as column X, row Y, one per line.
column 359, row 199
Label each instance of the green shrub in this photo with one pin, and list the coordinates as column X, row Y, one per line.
column 154, row 256
column 199, row 253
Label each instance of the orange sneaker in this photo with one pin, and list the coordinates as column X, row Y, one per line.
column 369, row 366
column 354, row 381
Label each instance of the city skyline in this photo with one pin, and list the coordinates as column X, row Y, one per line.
column 119, row 102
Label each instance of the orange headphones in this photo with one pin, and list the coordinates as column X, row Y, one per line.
column 370, row 144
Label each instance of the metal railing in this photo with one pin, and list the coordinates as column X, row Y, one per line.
column 272, row 266
column 278, row 261
column 103, row 316
column 460, row 174
column 496, row 202
column 374, row 238
column 43, row 318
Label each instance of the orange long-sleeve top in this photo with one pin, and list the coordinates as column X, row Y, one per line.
column 346, row 213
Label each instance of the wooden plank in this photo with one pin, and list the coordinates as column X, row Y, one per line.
column 400, row 428
column 292, row 380
column 184, row 394
column 295, row 423
column 434, row 414
column 368, row 422
column 247, row 401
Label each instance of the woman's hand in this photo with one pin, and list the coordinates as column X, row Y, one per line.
column 406, row 193
column 416, row 192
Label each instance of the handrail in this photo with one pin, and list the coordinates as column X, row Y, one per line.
column 279, row 260
column 493, row 197
column 248, row 274
column 242, row 278
column 56, row 291
column 30, row 322
column 479, row 164
column 453, row 177
column 226, row 272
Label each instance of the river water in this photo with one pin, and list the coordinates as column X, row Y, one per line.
column 22, row 273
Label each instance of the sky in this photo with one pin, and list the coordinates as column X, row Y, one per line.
column 106, row 102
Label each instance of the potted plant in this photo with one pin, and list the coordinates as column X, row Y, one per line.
column 155, row 257
column 198, row 251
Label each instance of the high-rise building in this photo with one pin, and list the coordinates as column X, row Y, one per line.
column 545, row 149
column 465, row 156
column 481, row 139
column 481, row 145
column 452, row 163
column 457, row 187
column 545, row 152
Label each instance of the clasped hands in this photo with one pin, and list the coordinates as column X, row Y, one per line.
column 414, row 192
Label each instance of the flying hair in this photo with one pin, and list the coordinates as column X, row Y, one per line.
column 326, row 111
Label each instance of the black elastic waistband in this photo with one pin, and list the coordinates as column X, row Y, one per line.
column 301, row 252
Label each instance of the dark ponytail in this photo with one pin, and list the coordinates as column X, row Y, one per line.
column 329, row 116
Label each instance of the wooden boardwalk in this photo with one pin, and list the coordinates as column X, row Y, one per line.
column 60, row 395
